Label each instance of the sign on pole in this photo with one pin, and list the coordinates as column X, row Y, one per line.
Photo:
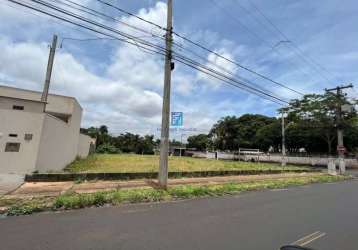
column 177, row 119
column 341, row 148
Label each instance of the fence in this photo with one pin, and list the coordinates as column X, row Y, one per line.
column 313, row 161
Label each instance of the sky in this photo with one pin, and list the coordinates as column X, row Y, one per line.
column 121, row 85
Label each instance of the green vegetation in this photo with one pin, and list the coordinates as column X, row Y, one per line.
column 76, row 201
column 311, row 124
column 27, row 206
column 121, row 163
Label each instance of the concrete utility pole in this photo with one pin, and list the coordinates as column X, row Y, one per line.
column 49, row 69
column 339, row 118
column 283, row 162
column 164, row 140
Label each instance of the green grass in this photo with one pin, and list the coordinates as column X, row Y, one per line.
column 76, row 201
column 122, row 163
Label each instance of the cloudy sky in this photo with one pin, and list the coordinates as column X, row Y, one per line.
column 120, row 85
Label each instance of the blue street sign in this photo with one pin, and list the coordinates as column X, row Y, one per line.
column 177, row 119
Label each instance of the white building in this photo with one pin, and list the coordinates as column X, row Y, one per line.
column 35, row 136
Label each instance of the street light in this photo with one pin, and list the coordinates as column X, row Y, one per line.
column 283, row 116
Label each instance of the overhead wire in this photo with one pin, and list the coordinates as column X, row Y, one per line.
column 128, row 40
column 131, row 14
column 216, row 65
column 142, row 42
column 227, row 78
column 97, row 24
column 101, row 14
column 204, row 48
column 293, row 44
column 273, row 48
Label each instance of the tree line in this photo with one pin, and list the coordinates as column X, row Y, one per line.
column 311, row 124
column 124, row 143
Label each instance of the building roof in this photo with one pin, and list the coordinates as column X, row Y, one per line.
column 55, row 103
column 28, row 100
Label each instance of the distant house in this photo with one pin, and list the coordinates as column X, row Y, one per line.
column 35, row 136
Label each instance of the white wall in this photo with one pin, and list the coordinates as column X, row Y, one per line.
column 59, row 142
column 313, row 161
column 29, row 106
column 84, row 144
column 19, row 122
column 55, row 103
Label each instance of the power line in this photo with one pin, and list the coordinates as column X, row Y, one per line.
column 131, row 14
column 102, row 15
column 40, row 16
column 237, row 64
column 253, row 33
column 227, row 71
column 293, row 44
column 97, row 39
column 246, row 87
column 136, row 28
column 274, row 47
column 144, row 31
column 81, row 25
column 192, row 62
column 299, row 53
column 221, row 79
column 83, row 19
column 204, row 48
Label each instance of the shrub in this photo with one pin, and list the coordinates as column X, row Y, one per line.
column 107, row 149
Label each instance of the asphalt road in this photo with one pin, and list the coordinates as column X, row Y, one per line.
column 257, row 220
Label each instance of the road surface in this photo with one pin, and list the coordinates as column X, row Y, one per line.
column 255, row 220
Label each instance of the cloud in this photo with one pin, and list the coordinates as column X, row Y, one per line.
column 218, row 64
column 121, row 85
column 128, row 91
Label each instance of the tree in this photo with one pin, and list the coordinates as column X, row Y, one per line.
column 269, row 136
column 175, row 143
column 315, row 121
column 100, row 134
column 232, row 132
column 127, row 143
column 199, row 142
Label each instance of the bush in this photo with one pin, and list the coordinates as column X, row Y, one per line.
column 107, row 149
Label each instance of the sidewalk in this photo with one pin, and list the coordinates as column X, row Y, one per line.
column 51, row 189
column 9, row 182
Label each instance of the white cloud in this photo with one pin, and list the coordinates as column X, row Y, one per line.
column 218, row 64
column 126, row 96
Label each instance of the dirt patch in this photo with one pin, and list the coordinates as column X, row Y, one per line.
column 31, row 189
column 51, row 189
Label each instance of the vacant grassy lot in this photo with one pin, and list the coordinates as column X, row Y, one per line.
column 121, row 163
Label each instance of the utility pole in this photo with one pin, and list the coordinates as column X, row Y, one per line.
column 164, row 140
column 49, row 69
column 339, row 120
column 283, row 162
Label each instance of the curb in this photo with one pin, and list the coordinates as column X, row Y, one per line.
column 58, row 177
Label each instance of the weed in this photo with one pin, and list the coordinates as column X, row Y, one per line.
column 75, row 201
